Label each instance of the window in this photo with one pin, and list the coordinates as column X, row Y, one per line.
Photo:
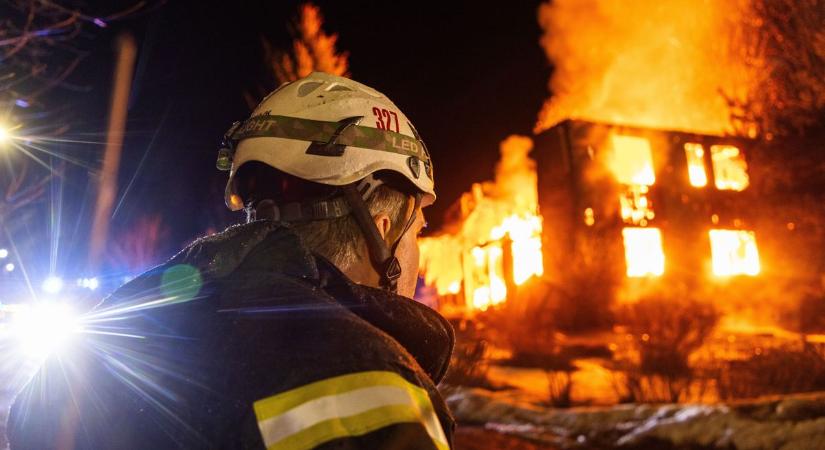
column 695, row 155
column 730, row 171
column 734, row 252
column 632, row 161
column 643, row 252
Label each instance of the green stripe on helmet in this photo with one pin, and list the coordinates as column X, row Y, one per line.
column 268, row 125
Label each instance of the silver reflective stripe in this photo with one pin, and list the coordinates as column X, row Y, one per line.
column 348, row 405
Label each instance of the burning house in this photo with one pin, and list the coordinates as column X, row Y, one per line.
column 658, row 203
column 641, row 205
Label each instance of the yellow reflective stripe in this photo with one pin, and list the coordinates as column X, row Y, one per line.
column 347, row 405
column 357, row 425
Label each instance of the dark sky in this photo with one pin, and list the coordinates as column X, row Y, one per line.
column 468, row 74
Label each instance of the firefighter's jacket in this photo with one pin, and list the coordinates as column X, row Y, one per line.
column 244, row 340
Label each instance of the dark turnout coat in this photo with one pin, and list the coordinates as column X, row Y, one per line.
column 244, row 340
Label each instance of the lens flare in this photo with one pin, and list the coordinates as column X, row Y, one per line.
column 53, row 285
column 44, row 328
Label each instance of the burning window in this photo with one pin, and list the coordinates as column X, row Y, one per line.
column 734, row 252
column 525, row 243
column 643, row 252
column 695, row 154
column 632, row 160
column 730, row 171
column 486, row 277
column 636, row 207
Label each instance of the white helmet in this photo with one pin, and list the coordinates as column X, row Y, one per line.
column 329, row 130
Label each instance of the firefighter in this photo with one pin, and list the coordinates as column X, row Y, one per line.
column 294, row 330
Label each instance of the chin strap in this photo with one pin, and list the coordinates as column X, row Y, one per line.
column 382, row 257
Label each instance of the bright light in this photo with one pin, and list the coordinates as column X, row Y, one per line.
column 88, row 283
column 730, row 171
column 695, row 154
column 5, row 134
column 43, row 328
column 734, row 252
column 53, row 285
column 632, row 160
column 4, row 253
column 643, row 252
column 9, row 267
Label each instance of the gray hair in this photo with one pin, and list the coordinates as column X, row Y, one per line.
column 340, row 240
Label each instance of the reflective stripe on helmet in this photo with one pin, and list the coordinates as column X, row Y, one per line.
column 267, row 125
column 344, row 406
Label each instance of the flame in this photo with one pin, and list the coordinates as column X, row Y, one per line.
column 734, row 252
column 643, row 252
column 672, row 64
column 695, row 154
column 631, row 160
column 493, row 214
column 730, row 171
column 525, row 233
column 635, row 206
column 631, row 163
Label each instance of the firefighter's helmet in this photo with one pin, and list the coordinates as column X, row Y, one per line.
column 329, row 130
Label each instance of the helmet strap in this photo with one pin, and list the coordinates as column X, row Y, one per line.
column 382, row 257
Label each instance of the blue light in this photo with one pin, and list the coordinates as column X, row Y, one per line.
column 53, row 285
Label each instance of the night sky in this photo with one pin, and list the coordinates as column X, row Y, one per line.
column 468, row 74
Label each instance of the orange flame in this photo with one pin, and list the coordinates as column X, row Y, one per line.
column 730, row 171
column 734, row 252
column 643, row 252
column 695, row 154
column 493, row 214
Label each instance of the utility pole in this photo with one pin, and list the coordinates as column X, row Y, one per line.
column 107, row 184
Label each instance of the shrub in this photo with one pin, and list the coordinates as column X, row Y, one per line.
column 666, row 330
column 790, row 368
column 468, row 363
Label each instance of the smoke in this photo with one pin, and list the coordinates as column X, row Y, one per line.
column 516, row 174
column 673, row 64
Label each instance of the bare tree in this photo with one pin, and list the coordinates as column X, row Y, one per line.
column 784, row 41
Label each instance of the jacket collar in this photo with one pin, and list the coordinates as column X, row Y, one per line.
column 423, row 332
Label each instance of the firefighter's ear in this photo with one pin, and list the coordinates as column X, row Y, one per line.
column 383, row 223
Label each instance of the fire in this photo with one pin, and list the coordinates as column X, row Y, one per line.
column 525, row 233
column 695, row 154
column 669, row 64
column 631, row 163
column 730, row 171
column 643, row 252
column 734, row 252
column 631, row 160
column 498, row 239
